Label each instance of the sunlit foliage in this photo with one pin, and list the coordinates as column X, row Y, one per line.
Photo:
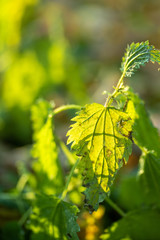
column 48, row 173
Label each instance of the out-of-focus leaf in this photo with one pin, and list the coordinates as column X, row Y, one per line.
column 12, row 230
column 57, row 58
column 11, row 16
column 63, row 66
column 39, row 115
column 145, row 135
column 29, row 77
column 137, row 225
column 149, row 177
column 53, row 218
column 101, row 137
column 46, row 167
column 130, row 195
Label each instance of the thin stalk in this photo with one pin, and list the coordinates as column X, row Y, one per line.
column 25, row 216
column 69, row 179
column 66, row 107
column 69, row 155
column 110, row 98
column 22, row 182
column 115, row 206
column 56, row 111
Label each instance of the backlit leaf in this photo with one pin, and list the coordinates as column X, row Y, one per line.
column 46, row 167
column 101, row 137
column 137, row 55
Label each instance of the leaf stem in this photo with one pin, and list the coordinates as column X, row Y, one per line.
column 65, row 107
column 115, row 206
column 69, row 179
column 25, row 216
column 110, row 98
column 56, row 111
column 69, row 155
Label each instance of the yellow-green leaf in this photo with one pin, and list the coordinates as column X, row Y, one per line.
column 101, row 137
column 46, row 167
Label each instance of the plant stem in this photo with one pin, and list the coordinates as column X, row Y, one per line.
column 25, row 216
column 66, row 107
column 110, row 98
column 56, row 111
column 115, row 206
column 69, row 155
column 69, row 179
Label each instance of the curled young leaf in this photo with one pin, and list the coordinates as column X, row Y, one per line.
column 137, row 55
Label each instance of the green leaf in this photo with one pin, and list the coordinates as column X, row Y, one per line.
column 130, row 194
column 53, row 218
column 137, row 55
column 100, row 137
column 137, row 225
column 39, row 115
column 155, row 56
column 145, row 135
column 149, row 178
column 46, row 167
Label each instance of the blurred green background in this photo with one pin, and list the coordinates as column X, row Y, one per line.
column 68, row 51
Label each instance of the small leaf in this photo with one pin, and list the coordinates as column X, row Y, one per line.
column 138, row 225
column 101, row 137
column 53, row 218
column 149, row 178
column 47, row 168
column 137, row 55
